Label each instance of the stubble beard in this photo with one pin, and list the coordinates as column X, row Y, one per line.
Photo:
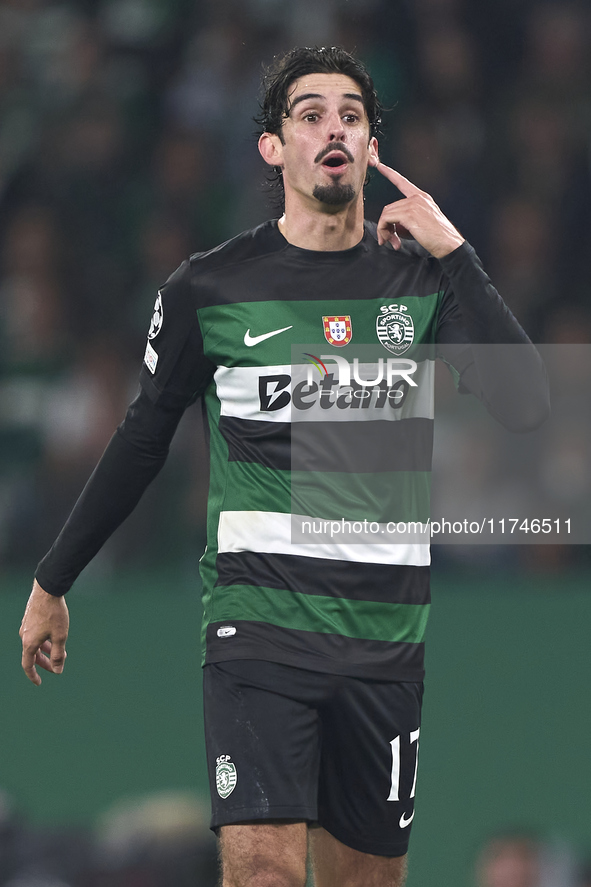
column 334, row 194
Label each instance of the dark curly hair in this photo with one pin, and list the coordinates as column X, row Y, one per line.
column 287, row 68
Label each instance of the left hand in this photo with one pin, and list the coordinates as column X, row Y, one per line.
column 418, row 214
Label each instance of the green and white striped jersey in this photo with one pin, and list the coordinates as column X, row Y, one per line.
column 304, row 430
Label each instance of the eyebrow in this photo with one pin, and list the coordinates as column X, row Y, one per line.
column 317, row 95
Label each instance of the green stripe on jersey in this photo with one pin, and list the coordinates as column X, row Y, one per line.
column 224, row 326
column 218, row 454
column 381, row 496
column 369, row 620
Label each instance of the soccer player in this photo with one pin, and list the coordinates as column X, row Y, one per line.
column 313, row 654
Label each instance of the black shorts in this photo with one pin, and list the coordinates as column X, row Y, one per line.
column 286, row 743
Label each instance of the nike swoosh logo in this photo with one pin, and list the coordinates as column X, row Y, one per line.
column 404, row 821
column 254, row 340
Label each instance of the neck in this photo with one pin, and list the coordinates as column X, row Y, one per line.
column 318, row 228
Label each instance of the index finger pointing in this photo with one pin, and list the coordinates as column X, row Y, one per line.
column 404, row 185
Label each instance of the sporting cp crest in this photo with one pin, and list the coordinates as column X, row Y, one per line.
column 337, row 330
column 225, row 776
column 395, row 328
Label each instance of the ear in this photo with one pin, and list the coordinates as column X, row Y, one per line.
column 374, row 157
column 271, row 149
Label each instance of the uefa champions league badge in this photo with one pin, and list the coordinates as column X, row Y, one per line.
column 225, row 776
column 156, row 324
column 337, row 329
column 395, row 328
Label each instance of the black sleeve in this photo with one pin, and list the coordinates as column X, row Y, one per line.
column 170, row 381
column 175, row 369
column 479, row 336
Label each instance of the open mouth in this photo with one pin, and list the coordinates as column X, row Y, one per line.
column 336, row 162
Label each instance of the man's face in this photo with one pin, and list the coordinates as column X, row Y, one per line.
column 326, row 146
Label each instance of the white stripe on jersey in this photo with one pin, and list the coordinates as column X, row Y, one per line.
column 239, row 391
column 270, row 532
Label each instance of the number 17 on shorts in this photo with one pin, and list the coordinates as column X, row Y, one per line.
column 394, row 795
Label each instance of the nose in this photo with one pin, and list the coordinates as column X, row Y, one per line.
column 336, row 129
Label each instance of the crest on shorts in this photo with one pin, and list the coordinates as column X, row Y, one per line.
column 225, row 776
column 337, row 329
column 395, row 329
column 156, row 324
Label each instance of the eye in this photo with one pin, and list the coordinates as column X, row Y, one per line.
column 351, row 118
column 311, row 116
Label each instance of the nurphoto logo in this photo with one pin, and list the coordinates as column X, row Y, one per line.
column 348, row 385
column 393, row 368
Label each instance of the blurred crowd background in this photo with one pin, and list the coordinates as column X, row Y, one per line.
column 162, row 840
column 157, row 840
column 127, row 143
